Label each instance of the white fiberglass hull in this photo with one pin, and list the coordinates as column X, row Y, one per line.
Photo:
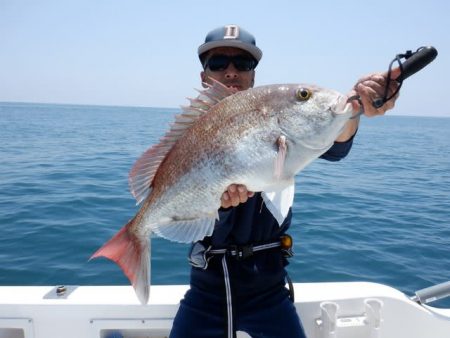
column 341, row 310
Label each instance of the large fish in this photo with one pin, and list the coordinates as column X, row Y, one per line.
column 261, row 137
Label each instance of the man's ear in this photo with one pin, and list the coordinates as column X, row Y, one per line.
column 203, row 78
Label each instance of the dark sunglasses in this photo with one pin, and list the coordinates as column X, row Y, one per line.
column 242, row 63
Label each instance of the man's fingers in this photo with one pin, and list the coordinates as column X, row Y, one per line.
column 380, row 77
column 365, row 95
column 370, row 89
column 242, row 193
column 395, row 73
column 225, row 200
column 373, row 87
column 234, row 195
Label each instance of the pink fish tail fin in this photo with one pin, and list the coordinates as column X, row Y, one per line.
column 132, row 254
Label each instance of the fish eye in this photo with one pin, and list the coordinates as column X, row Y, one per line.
column 303, row 94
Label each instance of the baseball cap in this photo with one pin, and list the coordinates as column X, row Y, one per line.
column 230, row 36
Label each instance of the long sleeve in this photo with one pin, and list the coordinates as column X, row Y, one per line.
column 338, row 151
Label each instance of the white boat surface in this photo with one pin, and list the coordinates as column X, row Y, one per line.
column 327, row 310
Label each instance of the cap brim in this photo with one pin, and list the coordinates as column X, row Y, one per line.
column 253, row 50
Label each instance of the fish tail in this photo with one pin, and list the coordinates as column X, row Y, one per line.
column 132, row 253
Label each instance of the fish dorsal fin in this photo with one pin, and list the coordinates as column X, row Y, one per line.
column 279, row 201
column 143, row 171
column 217, row 90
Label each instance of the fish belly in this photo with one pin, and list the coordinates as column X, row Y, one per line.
column 188, row 209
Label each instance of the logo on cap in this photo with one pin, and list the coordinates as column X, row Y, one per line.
column 231, row 32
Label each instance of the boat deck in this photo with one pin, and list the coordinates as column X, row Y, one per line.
column 343, row 310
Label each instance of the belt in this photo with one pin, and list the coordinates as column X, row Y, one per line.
column 200, row 254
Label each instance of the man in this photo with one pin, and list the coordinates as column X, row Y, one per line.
column 234, row 285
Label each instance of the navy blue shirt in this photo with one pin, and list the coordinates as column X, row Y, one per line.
column 252, row 223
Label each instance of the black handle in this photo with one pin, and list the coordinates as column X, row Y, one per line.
column 412, row 65
column 417, row 61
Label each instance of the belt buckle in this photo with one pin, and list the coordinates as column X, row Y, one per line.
column 240, row 252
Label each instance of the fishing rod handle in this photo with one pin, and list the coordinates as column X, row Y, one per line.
column 412, row 65
column 417, row 61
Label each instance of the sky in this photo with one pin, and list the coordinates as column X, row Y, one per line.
column 144, row 53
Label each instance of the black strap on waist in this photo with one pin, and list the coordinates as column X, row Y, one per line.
column 200, row 255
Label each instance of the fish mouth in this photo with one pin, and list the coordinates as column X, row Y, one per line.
column 342, row 107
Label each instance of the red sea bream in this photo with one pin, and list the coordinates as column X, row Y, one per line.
column 261, row 137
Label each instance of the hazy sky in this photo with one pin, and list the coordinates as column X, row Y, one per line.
column 144, row 53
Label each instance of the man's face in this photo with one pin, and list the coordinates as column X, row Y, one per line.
column 229, row 76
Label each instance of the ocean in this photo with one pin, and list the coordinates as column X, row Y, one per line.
column 380, row 215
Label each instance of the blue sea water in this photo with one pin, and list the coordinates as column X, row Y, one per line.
column 380, row 215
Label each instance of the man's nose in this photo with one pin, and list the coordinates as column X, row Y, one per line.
column 231, row 71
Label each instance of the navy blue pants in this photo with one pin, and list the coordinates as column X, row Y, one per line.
column 271, row 314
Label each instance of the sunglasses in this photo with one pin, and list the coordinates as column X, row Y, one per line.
column 242, row 63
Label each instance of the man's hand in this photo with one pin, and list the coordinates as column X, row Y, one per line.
column 234, row 195
column 372, row 87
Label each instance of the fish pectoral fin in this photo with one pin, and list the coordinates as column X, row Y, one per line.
column 187, row 230
column 279, row 201
column 281, row 157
